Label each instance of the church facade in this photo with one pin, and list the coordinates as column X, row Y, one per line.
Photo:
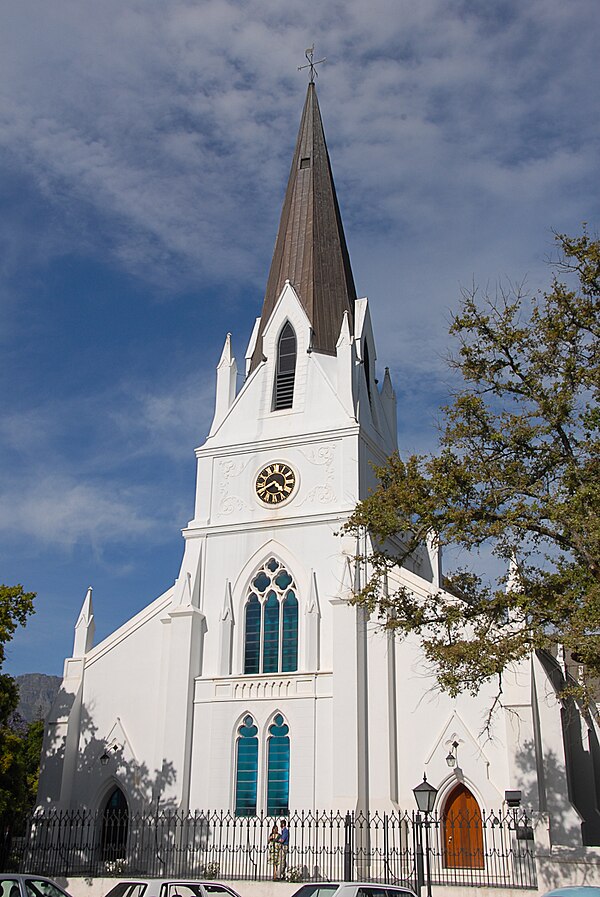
column 253, row 684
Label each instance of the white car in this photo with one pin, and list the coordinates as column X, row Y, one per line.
column 352, row 889
column 170, row 887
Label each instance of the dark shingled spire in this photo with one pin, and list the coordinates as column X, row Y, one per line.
column 310, row 250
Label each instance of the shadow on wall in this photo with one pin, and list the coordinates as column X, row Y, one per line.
column 77, row 764
column 582, row 764
column 99, row 811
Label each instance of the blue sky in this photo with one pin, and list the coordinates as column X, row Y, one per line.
column 145, row 148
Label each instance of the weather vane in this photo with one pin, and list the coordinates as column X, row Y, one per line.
column 311, row 64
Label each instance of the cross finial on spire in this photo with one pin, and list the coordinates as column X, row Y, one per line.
column 309, row 53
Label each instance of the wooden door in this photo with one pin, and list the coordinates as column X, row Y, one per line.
column 463, row 834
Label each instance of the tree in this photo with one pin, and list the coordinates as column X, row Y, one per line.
column 518, row 469
column 17, row 748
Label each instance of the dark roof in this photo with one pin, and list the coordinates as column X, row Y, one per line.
column 310, row 249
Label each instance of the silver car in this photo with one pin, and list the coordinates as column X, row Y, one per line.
column 29, row 886
column 169, row 887
column 352, row 889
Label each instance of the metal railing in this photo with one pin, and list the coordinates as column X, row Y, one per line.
column 491, row 849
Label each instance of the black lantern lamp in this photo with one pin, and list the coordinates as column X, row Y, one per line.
column 452, row 758
column 425, row 795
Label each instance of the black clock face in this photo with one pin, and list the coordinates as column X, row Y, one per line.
column 275, row 483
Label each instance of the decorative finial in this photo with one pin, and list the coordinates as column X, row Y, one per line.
column 309, row 53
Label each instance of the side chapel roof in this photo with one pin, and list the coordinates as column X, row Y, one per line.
column 310, row 249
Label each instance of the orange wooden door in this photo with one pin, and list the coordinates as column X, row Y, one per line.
column 463, row 835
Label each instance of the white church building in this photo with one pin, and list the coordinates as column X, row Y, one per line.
column 253, row 685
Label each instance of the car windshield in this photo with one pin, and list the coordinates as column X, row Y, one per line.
column 128, row 889
column 319, row 889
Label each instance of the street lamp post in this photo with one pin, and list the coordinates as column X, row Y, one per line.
column 425, row 795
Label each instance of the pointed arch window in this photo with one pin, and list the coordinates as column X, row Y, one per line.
column 246, row 773
column 278, row 768
column 285, row 369
column 271, row 621
column 115, row 825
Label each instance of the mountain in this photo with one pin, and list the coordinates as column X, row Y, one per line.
column 36, row 694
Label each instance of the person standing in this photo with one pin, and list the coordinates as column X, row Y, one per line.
column 284, row 843
column 274, row 850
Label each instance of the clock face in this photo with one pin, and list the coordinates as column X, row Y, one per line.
column 275, row 483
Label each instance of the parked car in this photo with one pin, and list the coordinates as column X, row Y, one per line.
column 162, row 887
column 353, row 889
column 575, row 891
column 29, row 886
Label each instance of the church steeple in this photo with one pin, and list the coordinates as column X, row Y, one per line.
column 310, row 249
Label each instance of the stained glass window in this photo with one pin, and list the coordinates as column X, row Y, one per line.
column 115, row 823
column 271, row 621
column 246, row 769
column 289, row 647
column 278, row 768
column 252, row 644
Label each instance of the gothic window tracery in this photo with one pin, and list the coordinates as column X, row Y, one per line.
column 271, row 621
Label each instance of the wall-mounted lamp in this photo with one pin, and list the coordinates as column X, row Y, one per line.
column 452, row 757
column 513, row 798
column 109, row 752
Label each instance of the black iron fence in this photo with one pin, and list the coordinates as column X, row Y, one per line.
column 489, row 849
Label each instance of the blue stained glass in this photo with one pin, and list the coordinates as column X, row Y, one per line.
column 271, row 635
column 289, row 648
column 261, row 582
column 271, row 622
column 247, row 769
column 252, row 636
column 278, row 771
column 283, row 580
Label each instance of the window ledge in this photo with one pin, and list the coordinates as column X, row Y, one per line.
column 264, row 687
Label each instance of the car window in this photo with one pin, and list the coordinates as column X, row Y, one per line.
column 10, row 887
column 181, row 889
column 37, row 887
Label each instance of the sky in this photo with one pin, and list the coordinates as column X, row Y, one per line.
column 144, row 153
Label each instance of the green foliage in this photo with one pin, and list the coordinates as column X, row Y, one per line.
column 15, row 607
column 518, row 470
column 19, row 750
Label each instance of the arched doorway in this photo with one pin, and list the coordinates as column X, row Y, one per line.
column 462, row 830
column 115, row 824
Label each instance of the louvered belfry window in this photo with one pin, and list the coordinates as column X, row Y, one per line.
column 286, row 369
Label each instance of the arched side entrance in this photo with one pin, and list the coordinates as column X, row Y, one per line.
column 115, row 825
column 462, row 830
